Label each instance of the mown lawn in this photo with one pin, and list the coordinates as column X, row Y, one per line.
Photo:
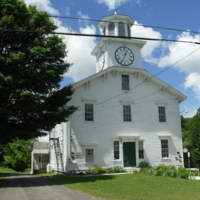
column 4, row 171
column 133, row 187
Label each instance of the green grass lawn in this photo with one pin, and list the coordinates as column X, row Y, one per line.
column 133, row 187
column 4, row 171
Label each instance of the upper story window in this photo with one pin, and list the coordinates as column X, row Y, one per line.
column 164, row 149
column 116, row 150
column 162, row 113
column 125, row 82
column 89, row 112
column 111, row 28
column 122, row 29
column 127, row 113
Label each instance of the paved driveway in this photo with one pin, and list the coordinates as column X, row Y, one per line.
column 29, row 187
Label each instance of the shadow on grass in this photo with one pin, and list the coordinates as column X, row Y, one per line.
column 64, row 179
column 27, row 180
column 24, row 180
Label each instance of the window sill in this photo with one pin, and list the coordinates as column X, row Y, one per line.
column 166, row 159
column 117, row 162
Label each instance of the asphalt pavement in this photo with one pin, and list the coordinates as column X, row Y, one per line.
column 30, row 187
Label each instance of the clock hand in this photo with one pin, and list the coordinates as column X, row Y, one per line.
column 124, row 56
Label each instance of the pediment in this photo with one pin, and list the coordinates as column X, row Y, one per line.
column 139, row 73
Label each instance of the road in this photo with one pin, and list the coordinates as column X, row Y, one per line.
column 29, row 187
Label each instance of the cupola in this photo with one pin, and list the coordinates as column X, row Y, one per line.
column 116, row 25
column 119, row 50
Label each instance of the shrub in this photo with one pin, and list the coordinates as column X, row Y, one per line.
column 183, row 173
column 17, row 155
column 143, row 164
column 89, row 171
column 109, row 170
column 118, row 169
column 161, row 170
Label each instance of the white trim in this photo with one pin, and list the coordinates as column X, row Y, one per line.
column 160, row 103
column 126, row 102
column 129, row 137
column 170, row 90
column 164, row 135
column 89, row 145
column 89, row 100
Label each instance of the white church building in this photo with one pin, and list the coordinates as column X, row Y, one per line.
column 125, row 114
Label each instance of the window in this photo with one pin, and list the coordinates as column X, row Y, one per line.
column 111, row 28
column 141, row 149
column 127, row 113
column 161, row 113
column 116, row 150
column 121, row 29
column 164, row 149
column 89, row 112
column 129, row 31
column 104, row 30
column 89, row 155
column 125, row 82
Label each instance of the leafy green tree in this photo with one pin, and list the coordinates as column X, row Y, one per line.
column 17, row 155
column 195, row 138
column 31, row 67
column 191, row 137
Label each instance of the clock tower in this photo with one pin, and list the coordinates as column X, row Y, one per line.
column 118, row 52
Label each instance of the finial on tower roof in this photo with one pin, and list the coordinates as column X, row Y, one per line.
column 115, row 7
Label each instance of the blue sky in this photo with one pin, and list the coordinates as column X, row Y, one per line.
column 157, row 56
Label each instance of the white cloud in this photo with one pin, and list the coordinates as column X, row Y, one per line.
column 44, row 5
column 83, row 16
column 78, row 47
column 150, row 46
column 193, row 81
column 185, row 58
column 187, row 54
column 79, row 52
column 44, row 138
column 67, row 11
column 111, row 3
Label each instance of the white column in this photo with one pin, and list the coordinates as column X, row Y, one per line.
column 126, row 30
column 116, row 29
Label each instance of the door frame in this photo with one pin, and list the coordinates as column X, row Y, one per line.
column 135, row 144
column 135, row 139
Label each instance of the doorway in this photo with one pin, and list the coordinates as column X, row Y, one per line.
column 129, row 154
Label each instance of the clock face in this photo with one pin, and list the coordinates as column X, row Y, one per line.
column 124, row 56
column 101, row 61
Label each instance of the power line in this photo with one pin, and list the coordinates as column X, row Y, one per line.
column 142, row 82
column 98, row 35
column 162, row 71
column 98, row 20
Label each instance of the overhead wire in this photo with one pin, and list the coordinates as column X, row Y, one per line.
column 100, row 20
column 142, row 82
column 121, row 37
column 98, row 35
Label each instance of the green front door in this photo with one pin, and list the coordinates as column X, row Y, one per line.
column 129, row 154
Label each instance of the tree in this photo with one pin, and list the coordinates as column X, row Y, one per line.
column 17, row 155
column 195, row 138
column 31, row 67
column 191, row 137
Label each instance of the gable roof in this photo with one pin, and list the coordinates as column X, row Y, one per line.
column 136, row 72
